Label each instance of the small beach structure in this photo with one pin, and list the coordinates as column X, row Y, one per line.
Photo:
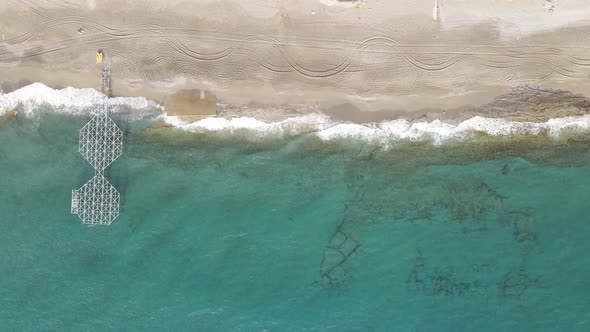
column 105, row 73
column 194, row 102
column 101, row 143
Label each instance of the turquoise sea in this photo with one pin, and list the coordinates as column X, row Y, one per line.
column 294, row 234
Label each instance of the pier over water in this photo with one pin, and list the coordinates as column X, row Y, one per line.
column 101, row 143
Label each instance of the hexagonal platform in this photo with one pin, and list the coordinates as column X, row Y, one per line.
column 96, row 202
column 101, row 142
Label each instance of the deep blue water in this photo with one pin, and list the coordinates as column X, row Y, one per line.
column 294, row 235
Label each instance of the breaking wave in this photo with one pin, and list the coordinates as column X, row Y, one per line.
column 69, row 100
column 384, row 132
column 81, row 101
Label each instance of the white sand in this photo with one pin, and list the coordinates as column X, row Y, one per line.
column 373, row 54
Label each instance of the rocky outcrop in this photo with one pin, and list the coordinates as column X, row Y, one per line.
column 535, row 103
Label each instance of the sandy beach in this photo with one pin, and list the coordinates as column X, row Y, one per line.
column 343, row 57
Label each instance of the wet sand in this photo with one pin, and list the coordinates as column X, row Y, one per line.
column 431, row 59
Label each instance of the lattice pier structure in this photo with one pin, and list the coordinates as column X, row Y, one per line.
column 105, row 79
column 101, row 143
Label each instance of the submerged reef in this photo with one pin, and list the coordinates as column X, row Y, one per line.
column 466, row 204
column 415, row 197
column 439, row 281
column 515, row 283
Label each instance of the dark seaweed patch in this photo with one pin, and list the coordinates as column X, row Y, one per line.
column 515, row 283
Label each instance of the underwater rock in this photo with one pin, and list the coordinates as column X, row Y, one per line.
column 515, row 283
column 415, row 280
column 505, row 169
column 442, row 284
column 437, row 282
column 525, row 228
column 8, row 116
column 469, row 199
column 337, row 252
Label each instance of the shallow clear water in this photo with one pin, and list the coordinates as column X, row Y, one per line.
column 294, row 235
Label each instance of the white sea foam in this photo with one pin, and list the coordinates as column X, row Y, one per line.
column 68, row 100
column 290, row 127
column 384, row 132
column 78, row 101
column 439, row 132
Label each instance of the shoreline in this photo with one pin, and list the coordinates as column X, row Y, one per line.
column 292, row 121
column 524, row 103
